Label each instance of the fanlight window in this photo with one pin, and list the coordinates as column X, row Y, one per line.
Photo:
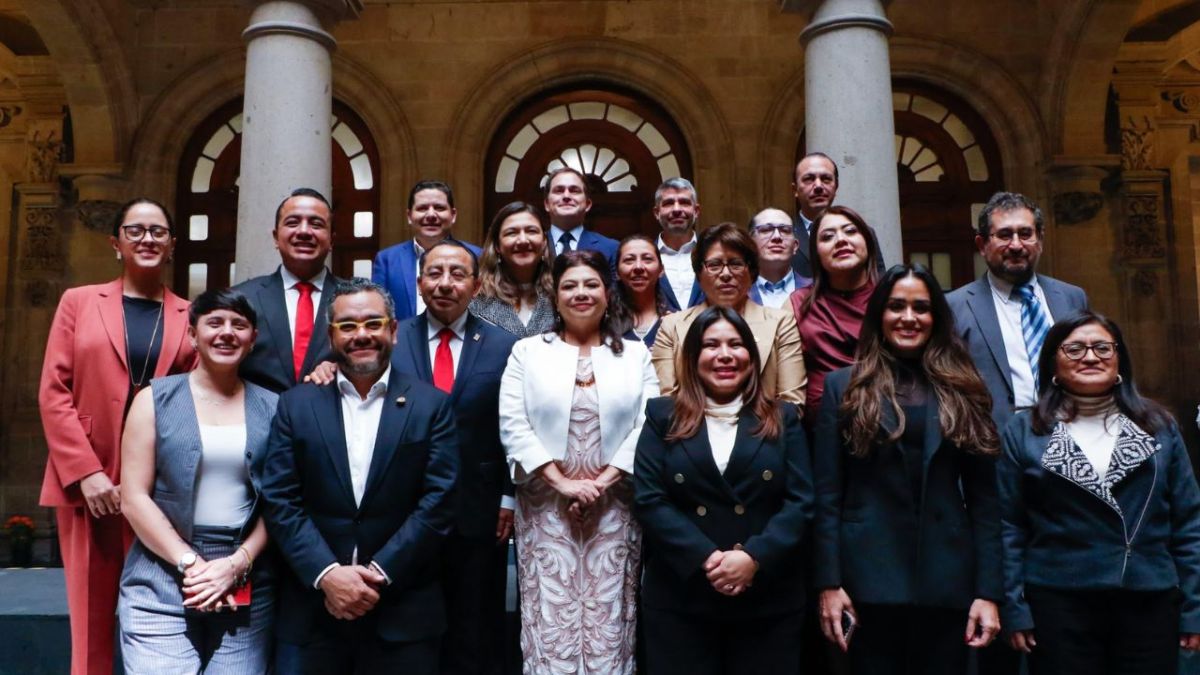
column 909, row 155
column 602, row 162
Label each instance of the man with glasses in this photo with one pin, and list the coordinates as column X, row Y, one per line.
column 465, row 357
column 777, row 245
column 291, row 301
column 1003, row 317
column 358, row 486
column 677, row 208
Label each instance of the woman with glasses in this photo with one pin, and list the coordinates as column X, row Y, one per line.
column 725, row 259
column 1100, row 516
column 639, row 303
column 907, row 531
column 192, row 600
column 106, row 343
column 515, row 290
column 572, row 404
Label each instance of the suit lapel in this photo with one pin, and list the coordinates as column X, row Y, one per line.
column 745, row 447
column 697, row 294
column 392, row 423
column 763, row 330
column 669, row 293
column 699, row 451
column 473, row 339
column 1056, row 300
column 174, row 321
column 933, row 435
column 333, row 432
column 408, row 280
column 984, row 310
column 418, row 347
column 273, row 308
column 112, row 315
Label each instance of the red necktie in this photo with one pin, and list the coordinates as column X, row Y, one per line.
column 443, row 362
column 304, row 326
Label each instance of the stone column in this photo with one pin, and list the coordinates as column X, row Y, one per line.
column 848, row 110
column 286, row 117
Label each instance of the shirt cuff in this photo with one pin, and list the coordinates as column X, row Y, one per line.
column 508, row 502
column 317, row 583
column 387, row 581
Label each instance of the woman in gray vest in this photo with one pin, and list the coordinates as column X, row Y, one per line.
column 192, row 600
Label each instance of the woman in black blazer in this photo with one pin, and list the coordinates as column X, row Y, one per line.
column 1101, row 516
column 907, row 523
column 724, row 495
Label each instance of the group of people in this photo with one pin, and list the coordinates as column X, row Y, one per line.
column 711, row 448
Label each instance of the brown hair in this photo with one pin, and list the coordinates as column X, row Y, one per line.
column 598, row 264
column 620, row 305
column 821, row 281
column 495, row 280
column 964, row 405
column 689, row 399
column 730, row 237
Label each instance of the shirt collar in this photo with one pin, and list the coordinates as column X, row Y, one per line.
column 1004, row 289
column 418, row 249
column 777, row 286
column 556, row 233
column 459, row 326
column 686, row 248
column 346, row 387
column 290, row 280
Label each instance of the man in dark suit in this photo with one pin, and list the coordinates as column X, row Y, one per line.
column 358, row 486
column 431, row 216
column 291, row 302
column 568, row 201
column 465, row 357
column 677, row 208
column 1003, row 317
column 815, row 185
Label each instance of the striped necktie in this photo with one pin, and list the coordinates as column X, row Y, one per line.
column 1034, row 326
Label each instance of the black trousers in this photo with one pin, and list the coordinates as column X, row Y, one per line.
column 685, row 644
column 1104, row 632
column 352, row 648
column 906, row 640
column 473, row 579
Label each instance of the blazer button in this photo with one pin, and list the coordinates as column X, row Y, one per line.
column 701, row 511
column 737, row 547
column 679, row 478
column 767, row 475
column 740, row 510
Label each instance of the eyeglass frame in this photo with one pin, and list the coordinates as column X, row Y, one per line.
column 342, row 327
column 1016, row 234
column 714, row 266
column 769, row 231
column 151, row 229
column 1089, row 347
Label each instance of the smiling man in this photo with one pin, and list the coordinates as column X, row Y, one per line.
column 777, row 245
column 291, row 301
column 568, row 200
column 677, row 208
column 358, row 491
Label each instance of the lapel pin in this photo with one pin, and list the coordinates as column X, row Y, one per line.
column 476, row 337
column 400, row 401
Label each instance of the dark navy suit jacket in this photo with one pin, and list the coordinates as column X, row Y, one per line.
column 270, row 363
column 395, row 269
column 406, row 510
column 483, row 473
column 696, row 298
column 975, row 320
column 688, row 509
column 886, row 546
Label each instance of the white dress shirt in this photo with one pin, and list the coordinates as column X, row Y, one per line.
column 1008, row 311
column 418, row 251
column 775, row 294
column 677, row 265
column 291, row 296
column 721, row 423
column 556, row 232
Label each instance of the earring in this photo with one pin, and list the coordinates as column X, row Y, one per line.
column 118, row 255
column 1120, row 379
column 1054, row 380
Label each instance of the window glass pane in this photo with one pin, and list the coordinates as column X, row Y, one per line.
column 345, row 137
column 361, row 168
column 624, row 184
column 506, row 175
column 202, row 175
column 668, row 167
column 217, row 143
column 588, row 154
column 618, row 168
column 900, row 101
column 931, row 174
column 236, row 123
column 927, row 108
column 980, row 265
column 364, row 223
column 941, row 269
column 976, row 164
column 603, row 159
column 958, row 131
column 899, row 142
column 232, row 267
column 551, row 118
column 655, row 143
column 923, row 159
column 625, row 118
column 197, row 279
column 918, row 259
column 570, row 157
column 588, row 110
column 362, row 268
column 198, row 228
column 521, row 142
column 911, row 147
column 976, row 209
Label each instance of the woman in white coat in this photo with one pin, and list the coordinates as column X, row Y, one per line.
column 572, row 404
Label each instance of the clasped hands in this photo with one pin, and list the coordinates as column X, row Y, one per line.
column 730, row 572
column 351, row 590
column 581, row 492
column 208, row 585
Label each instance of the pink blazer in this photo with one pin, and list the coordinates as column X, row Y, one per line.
column 85, row 383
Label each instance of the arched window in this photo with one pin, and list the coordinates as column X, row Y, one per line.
column 625, row 144
column 208, row 194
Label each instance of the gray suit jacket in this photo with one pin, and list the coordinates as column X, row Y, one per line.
column 975, row 320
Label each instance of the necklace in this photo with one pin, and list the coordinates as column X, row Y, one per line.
column 141, row 381
column 215, row 401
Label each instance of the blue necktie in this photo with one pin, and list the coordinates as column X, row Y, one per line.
column 566, row 240
column 1034, row 326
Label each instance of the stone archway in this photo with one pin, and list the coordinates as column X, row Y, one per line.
column 580, row 61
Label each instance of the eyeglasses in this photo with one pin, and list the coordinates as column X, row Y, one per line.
column 1025, row 234
column 769, row 231
column 351, row 327
column 138, row 232
column 1077, row 350
column 714, row 266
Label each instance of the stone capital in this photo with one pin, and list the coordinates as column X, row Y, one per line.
column 327, row 10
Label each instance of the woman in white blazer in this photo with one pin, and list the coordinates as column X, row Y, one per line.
column 572, row 404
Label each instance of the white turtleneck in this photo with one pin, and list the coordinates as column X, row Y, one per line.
column 1095, row 430
column 721, row 422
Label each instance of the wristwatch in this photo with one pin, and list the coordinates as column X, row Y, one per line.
column 186, row 561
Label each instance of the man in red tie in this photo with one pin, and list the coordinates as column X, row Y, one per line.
column 291, row 301
column 465, row 357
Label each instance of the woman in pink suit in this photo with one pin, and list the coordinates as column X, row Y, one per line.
column 107, row 341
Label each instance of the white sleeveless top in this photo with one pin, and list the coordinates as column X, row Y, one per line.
column 224, row 495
